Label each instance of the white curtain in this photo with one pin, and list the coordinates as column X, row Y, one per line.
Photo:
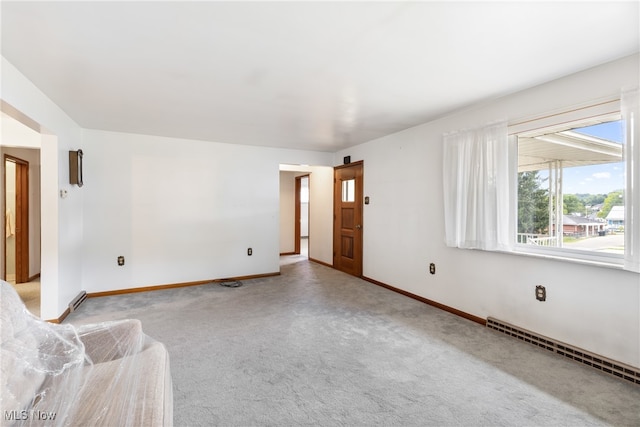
column 478, row 188
column 630, row 103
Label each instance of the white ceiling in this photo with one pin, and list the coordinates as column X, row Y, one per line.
column 309, row 75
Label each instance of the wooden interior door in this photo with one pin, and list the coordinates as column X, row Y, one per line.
column 21, row 217
column 347, row 218
column 296, row 233
column 22, row 221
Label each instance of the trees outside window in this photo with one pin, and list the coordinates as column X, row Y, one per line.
column 568, row 181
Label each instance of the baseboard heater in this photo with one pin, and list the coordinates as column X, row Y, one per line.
column 617, row 369
column 75, row 303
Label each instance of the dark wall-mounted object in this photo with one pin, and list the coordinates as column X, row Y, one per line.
column 75, row 167
column 346, row 160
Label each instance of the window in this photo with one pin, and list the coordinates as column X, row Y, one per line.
column 571, row 187
column 565, row 185
column 349, row 190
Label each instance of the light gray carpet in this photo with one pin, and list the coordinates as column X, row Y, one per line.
column 318, row 347
column 30, row 294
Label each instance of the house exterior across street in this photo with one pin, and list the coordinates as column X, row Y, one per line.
column 580, row 226
column 615, row 219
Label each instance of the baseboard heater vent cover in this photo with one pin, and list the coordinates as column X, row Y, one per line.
column 231, row 284
column 617, row 369
column 75, row 303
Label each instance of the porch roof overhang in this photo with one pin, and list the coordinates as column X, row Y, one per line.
column 572, row 148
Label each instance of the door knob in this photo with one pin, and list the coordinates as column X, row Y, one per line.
column 358, row 226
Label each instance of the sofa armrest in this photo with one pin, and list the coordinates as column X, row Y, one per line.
column 112, row 340
column 133, row 391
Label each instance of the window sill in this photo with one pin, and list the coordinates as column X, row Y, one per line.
column 595, row 260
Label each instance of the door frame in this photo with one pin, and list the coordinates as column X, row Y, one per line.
column 22, row 218
column 298, row 212
column 358, row 247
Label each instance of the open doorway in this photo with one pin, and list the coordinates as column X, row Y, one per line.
column 294, row 215
column 20, row 251
column 313, row 241
column 302, row 216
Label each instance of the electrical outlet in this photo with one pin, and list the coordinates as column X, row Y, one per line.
column 121, row 260
column 249, row 251
column 541, row 293
column 432, row 268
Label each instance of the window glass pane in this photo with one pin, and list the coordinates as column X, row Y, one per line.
column 571, row 189
column 349, row 190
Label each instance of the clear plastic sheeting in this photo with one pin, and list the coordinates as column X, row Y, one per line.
column 103, row 374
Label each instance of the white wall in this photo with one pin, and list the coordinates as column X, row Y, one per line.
column 304, row 219
column 321, row 214
column 287, row 211
column 61, row 219
column 15, row 134
column 595, row 308
column 179, row 210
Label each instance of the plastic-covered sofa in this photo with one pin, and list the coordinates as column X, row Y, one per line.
column 106, row 374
